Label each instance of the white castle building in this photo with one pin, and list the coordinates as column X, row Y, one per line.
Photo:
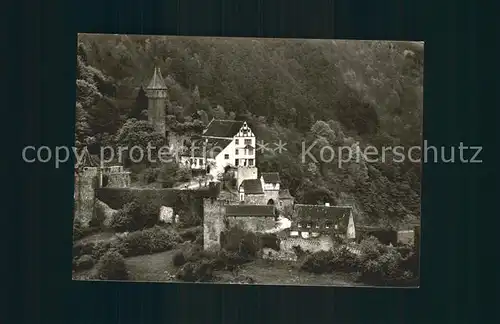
column 225, row 143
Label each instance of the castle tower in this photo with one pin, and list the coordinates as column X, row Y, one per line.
column 157, row 95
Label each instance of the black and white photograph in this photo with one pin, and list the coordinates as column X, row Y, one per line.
column 257, row 161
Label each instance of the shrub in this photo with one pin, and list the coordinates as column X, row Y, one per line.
column 178, row 259
column 149, row 175
column 339, row 259
column 268, row 240
column 135, row 216
column 191, row 234
column 151, row 240
column 196, row 271
column 112, row 266
column 245, row 243
column 83, row 263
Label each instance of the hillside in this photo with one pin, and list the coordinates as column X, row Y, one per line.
column 340, row 92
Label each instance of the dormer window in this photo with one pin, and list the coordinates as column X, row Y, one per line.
column 308, row 225
column 299, row 225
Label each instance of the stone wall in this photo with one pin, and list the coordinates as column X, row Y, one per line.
column 252, row 199
column 118, row 180
column 84, row 200
column 183, row 202
column 287, row 253
column 252, row 224
column 213, row 223
column 272, row 194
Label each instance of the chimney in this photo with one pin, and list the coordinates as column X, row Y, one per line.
column 327, row 204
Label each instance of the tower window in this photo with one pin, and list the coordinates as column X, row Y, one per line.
column 236, row 151
column 237, row 141
column 250, row 162
column 236, row 162
column 250, row 151
column 248, row 141
column 226, row 156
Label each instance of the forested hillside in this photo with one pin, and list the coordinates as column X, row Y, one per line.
column 339, row 92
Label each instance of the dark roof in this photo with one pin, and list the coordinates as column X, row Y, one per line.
column 285, row 194
column 88, row 160
column 252, row 186
column 271, row 177
column 223, row 128
column 315, row 212
column 250, row 210
column 157, row 82
column 216, row 145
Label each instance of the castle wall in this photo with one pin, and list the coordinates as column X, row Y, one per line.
column 286, row 252
column 272, row 194
column 253, row 224
column 213, row 223
column 119, row 180
column 245, row 173
column 85, row 184
column 285, row 207
column 259, row 199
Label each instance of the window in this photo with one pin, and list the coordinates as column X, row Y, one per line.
column 236, row 151
column 236, row 162
column 201, row 162
column 248, row 141
column 281, row 203
column 299, row 225
column 250, row 151
column 237, row 141
column 242, row 196
column 226, row 156
column 250, row 162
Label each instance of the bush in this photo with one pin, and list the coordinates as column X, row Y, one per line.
column 112, row 266
column 148, row 241
column 191, row 234
column 237, row 240
column 80, row 232
column 196, row 271
column 178, row 259
column 383, row 265
column 271, row 241
column 83, row 263
column 340, row 259
column 135, row 216
column 149, row 175
column 94, row 248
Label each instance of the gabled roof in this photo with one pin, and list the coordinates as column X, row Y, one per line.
column 223, row 128
column 216, row 145
column 250, row 211
column 285, row 194
column 270, row 177
column 157, row 82
column 88, row 160
column 252, row 186
column 320, row 212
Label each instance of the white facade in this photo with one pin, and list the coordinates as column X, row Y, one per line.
column 269, row 186
column 240, row 152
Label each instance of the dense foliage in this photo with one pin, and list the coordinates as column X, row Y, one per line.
column 340, row 93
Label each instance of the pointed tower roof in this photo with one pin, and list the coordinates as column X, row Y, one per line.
column 157, row 82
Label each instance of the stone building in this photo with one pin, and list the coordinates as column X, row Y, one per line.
column 254, row 218
column 285, row 203
column 91, row 174
column 271, row 186
column 251, row 192
column 317, row 220
column 157, row 94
